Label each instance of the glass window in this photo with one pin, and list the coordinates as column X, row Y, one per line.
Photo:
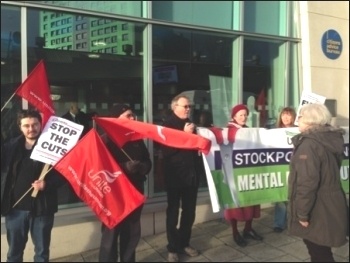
column 267, row 17
column 129, row 8
column 217, row 14
column 264, row 82
column 193, row 63
column 94, row 83
column 10, row 70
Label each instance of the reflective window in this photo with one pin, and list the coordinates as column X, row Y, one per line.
column 266, row 17
column 129, row 8
column 192, row 63
column 217, row 14
column 264, row 82
column 10, row 70
column 94, row 73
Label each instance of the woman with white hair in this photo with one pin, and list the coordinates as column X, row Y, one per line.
column 317, row 208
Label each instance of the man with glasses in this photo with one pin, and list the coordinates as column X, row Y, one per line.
column 182, row 169
column 135, row 161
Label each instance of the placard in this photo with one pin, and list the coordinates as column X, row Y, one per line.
column 57, row 138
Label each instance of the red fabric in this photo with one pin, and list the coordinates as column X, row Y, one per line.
column 242, row 213
column 36, row 90
column 98, row 180
column 231, row 134
column 261, row 101
column 123, row 130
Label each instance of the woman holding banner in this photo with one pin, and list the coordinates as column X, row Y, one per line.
column 317, row 208
column 239, row 116
column 285, row 119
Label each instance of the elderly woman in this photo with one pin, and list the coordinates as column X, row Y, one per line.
column 317, row 208
column 239, row 116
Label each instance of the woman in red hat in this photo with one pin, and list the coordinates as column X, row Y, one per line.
column 239, row 116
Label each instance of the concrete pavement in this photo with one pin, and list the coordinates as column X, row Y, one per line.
column 214, row 241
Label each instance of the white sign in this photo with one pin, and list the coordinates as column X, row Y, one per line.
column 57, row 138
column 308, row 97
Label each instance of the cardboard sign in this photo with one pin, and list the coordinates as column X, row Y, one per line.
column 306, row 98
column 57, row 138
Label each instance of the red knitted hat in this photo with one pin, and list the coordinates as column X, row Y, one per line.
column 237, row 108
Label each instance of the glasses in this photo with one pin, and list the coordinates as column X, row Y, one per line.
column 185, row 106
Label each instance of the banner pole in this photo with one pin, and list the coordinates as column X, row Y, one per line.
column 3, row 107
column 44, row 172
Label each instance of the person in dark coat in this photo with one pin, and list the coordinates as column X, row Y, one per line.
column 239, row 116
column 24, row 213
column 135, row 161
column 317, row 208
column 74, row 114
column 182, row 170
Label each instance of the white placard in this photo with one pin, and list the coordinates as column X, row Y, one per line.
column 308, row 97
column 57, row 138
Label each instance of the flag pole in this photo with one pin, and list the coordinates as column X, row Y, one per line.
column 44, row 172
column 41, row 177
column 8, row 101
column 22, row 197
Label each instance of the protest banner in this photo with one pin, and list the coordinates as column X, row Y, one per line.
column 259, row 160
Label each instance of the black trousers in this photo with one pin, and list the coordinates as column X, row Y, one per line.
column 129, row 233
column 319, row 253
column 179, row 238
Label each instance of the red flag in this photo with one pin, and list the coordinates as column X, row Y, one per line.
column 35, row 89
column 98, row 180
column 260, row 104
column 123, row 130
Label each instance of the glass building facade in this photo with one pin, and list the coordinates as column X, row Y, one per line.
column 143, row 53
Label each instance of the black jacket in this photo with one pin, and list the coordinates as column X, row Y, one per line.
column 81, row 118
column 45, row 202
column 315, row 192
column 182, row 167
column 137, row 169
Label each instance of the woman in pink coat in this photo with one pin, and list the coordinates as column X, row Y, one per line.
column 239, row 115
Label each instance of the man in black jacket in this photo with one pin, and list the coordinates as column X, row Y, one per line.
column 135, row 161
column 182, row 169
column 18, row 174
column 76, row 115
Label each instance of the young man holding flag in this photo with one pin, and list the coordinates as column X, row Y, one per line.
column 135, row 161
column 20, row 173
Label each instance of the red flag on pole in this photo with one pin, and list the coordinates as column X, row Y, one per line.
column 98, row 180
column 123, row 130
column 260, row 104
column 35, row 89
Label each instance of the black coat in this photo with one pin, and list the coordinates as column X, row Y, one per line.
column 182, row 167
column 314, row 188
column 81, row 118
column 137, row 151
column 45, row 202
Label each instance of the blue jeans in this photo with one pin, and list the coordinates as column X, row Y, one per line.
column 18, row 224
column 280, row 215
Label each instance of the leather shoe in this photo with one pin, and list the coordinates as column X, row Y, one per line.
column 277, row 229
column 239, row 240
column 252, row 234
